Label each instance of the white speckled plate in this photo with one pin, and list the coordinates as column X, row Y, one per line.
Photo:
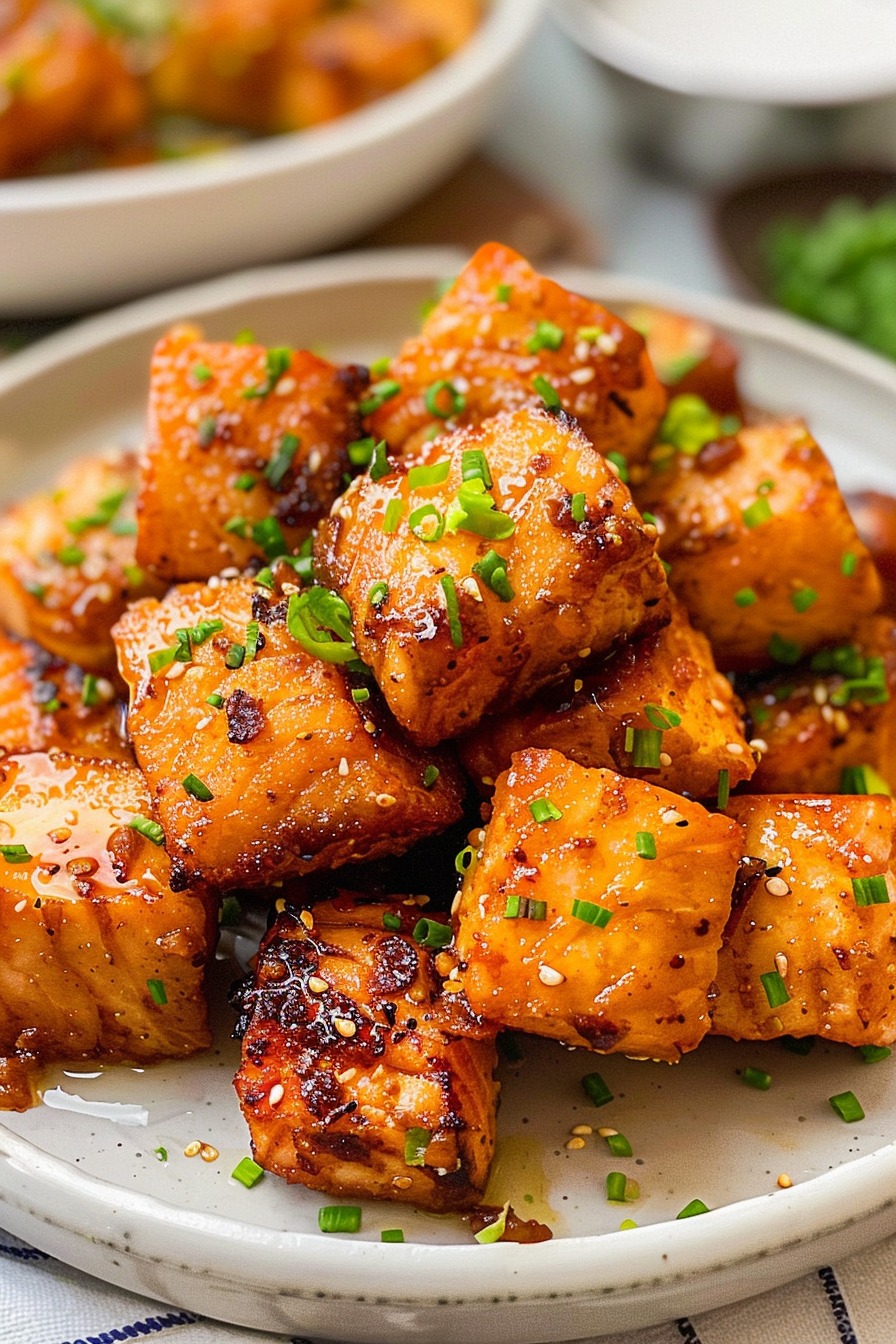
column 85, row 1185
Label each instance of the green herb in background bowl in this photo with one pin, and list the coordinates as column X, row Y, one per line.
column 839, row 271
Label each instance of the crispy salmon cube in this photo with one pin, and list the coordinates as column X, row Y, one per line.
column 689, row 355
column 494, row 339
column 665, row 685
column 595, row 911
column 828, row 718
column 361, row 1075
column 49, row 705
column 482, row 611
column 282, row 771
column 808, row 950
column 67, row 561
column 762, row 549
column 99, row 957
column 246, row 451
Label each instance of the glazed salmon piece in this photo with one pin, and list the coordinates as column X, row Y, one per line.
column 472, row 594
column 49, row 705
column 808, row 950
column 596, row 908
column 99, row 957
column 246, row 451
column 661, row 695
column 501, row 328
column 829, row 717
column 67, row 561
column 300, row 772
column 762, row 549
column 360, row 1074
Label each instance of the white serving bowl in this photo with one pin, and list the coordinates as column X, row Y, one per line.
column 83, row 240
column 710, row 90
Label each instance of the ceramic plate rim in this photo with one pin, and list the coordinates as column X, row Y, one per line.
column 572, row 1267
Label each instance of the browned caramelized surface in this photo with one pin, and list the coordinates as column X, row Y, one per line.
column 214, row 431
column 89, row 922
column 486, row 337
column 49, row 705
column 689, row 355
column 586, row 717
column 815, row 723
column 761, row 513
column 637, row 984
column 302, row 776
column 67, row 561
column 795, row 914
column 576, row 586
column 350, row 1042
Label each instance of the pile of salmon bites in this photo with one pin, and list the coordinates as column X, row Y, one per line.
column 541, row 582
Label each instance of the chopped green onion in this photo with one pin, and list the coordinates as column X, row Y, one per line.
column 590, row 334
column 244, row 337
column 621, row 465
column 645, row 845
column 543, row 809
column 235, row 656
column 847, row 1106
column 848, row 564
column 103, row 515
column 360, row 695
column 803, row 599
column 430, row 933
column 784, row 651
column 252, row 640
column 673, row 370
column 548, row 393
column 15, row 854
column 247, row 1172
column 280, row 463
column 475, row 511
column 391, row 921
column 745, row 597
column 871, row 890
column 756, row 1078
column 474, row 466
column 616, row 1187
column 230, row 913
column 236, row 526
column 157, row 992
column 688, row 424
column 691, row 1210
column 627, row 1224
column 380, row 465
column 596, row 1089
column 577, row 507
column 378, row 395
column 522, row 907
column 321, row 621
column 196, row 789
column 465, row 860
column 760, row 511
column 494, row 1231
column 863, row 779
column 417, row 522
column 435, row 399
column 798, row 1045
column 201, row 372
column 647, row 744
column 420, row 477
column 546, row 336
column 37, row 590
column 246, row 482
column 378, row 593
column 70, row 555
column 492, row 569
column 723, row 790
column 268, row 534
column 416, row 1142
column 662, row 718
column 395, row 511
column 276, row 361
column 452, row 607
column 430, row 775
column 90, row 695
column 216, row 701
column 161, row 1153
column 339, row 1218
column 775, row 989
column 123, row 527
column 390, row 1234
column 150, row 829
column 872, row 1054
column 619, row 1145
column 360, row 452
column 207, row 430
column 503, row 293
column 589, row 913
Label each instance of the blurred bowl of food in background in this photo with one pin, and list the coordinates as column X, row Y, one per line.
column 147, row 142
column 711, row 89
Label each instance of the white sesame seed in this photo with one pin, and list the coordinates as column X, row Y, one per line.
column 827, row 713
column 386, row 800
column 346, row 1075
column 665, row 758
column 451, row 359
column 781, row 964
column 462, row 384
column 208, row 1153
column 606, row 1133
column 581, row 1129
column 345, row 1026
column 314, row 461
column 734, row 748
column 231, row 572
column 575, row 1143
column 841, row 722
column 607, row 344
column 611, row 466
column 343, row 766
column 548, row 976
column 402, row 1182
column 369, row 726
column 20, row 907
column 317, row 984
column 719, row 706
column 581, row 351
column 175, row 671
column 193, row 1149
column 820, row 693
column 776, row 886
column 471, row 587
column 671, row 816
column 455, row 904
column 204, row 723
column 758, row 744
column 285, row 386
column 581, row 376
column 276, row 1094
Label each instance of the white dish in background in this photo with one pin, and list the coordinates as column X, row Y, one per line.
column 90, row 1190
column 83, row 240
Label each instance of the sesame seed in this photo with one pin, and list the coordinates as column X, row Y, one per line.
column 576, row 686
column 841, row 722
column 175, row 670
column 575, row 1143
column 734, row 748
column 345, row 1026
column 584, row 653
column 59, row 835
column 193, row 1149
column 386, row 800
column 314, row 461
column 776, row 886
column 208, row 1153
column 665, row 758
column 671, row 816
column 280, row 905
column 581, row 376
column 231, row 572
column 488, row 781
column 307, row 919
column 820, row 693
column 444, row 963
column 285, row 386
column 402, row 1182
column 758, row 744
column 451, row 987
column 455, row 904
column 611, row 466
column 827, row 713
column 276, row 1094
column 471, row 588
column 784, row 1181
column 369, row 726
column 718, row 705
column 548, row 976
column 581, row 351
column 317, row 984
column 606, row 1133
column 581, row 1129
column 204, row 723
column 451, row 359
column 343, row 766
column 607, row 344
column 781, row 964
column 20, row 907
column 346, row 1075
